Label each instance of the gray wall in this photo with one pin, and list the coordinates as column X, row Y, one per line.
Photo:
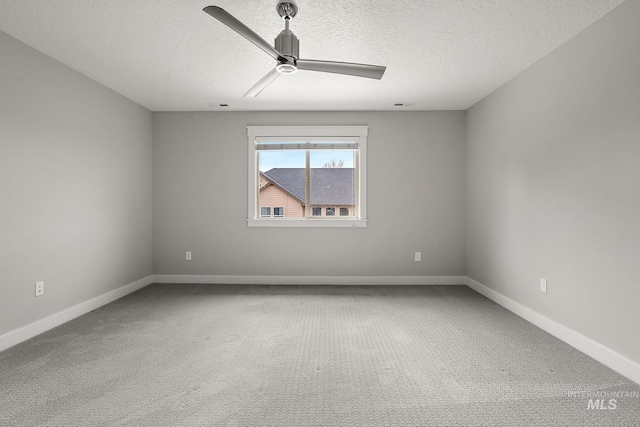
column 75, row 187
column 553, row 184
column 416, row 199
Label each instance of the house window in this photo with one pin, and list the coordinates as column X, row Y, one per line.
column 306, row 168
column 265, row 212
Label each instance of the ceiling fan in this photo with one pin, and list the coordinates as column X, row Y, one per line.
column 286, row 50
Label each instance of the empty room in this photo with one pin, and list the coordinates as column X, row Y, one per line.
column 319, row 213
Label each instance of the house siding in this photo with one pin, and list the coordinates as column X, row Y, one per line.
column 273, row 196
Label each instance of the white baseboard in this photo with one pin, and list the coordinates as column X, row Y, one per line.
column 599, row 352
column 312, row 280
column 36, row 328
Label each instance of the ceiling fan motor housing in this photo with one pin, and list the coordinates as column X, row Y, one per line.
column 289, row 47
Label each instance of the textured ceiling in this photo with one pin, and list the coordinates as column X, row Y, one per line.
column 168, row 55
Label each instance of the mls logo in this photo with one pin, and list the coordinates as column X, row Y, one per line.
column 600, row 404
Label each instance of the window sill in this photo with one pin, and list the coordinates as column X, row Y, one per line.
column 307, row 223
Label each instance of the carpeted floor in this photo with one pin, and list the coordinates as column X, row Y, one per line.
column 192, row 355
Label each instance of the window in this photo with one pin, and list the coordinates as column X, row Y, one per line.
column 265, row 211
column 305, row 169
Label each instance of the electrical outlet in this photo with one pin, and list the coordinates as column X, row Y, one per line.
column 543, row 285
column 39, row 288
column 188, row 256
column 418, row 256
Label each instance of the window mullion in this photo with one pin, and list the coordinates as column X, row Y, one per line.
column 307, row 185
column 356, row 167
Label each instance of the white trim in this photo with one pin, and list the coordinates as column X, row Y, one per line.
column 253, row 177
column 306, row 143
column 310, row 280
column 599, row 352
column 36, row 328
column 254, row 132
column 313, row 222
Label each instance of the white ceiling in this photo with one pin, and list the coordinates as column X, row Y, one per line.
column 169, row 55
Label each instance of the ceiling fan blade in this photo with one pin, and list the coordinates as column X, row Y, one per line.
column 223, row 16
column 360, row 70
column 262, row 84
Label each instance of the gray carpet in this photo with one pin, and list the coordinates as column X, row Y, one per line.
column 192, row 355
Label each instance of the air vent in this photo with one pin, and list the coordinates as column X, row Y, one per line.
column 405, row 104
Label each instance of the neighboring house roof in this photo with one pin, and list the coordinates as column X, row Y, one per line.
column 329, row 186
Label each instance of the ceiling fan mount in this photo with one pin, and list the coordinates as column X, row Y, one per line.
column 286, row 50
column 287, row 9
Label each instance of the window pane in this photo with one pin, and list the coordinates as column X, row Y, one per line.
column 344, row 211
column 265, row 211
column 282, row 182
column 332, row 179
column 333, row 159
column 268, row 160
column 316, row 211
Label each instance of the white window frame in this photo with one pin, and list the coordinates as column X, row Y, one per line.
column 281, row 210
column 351, row 133
column 265, row 216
